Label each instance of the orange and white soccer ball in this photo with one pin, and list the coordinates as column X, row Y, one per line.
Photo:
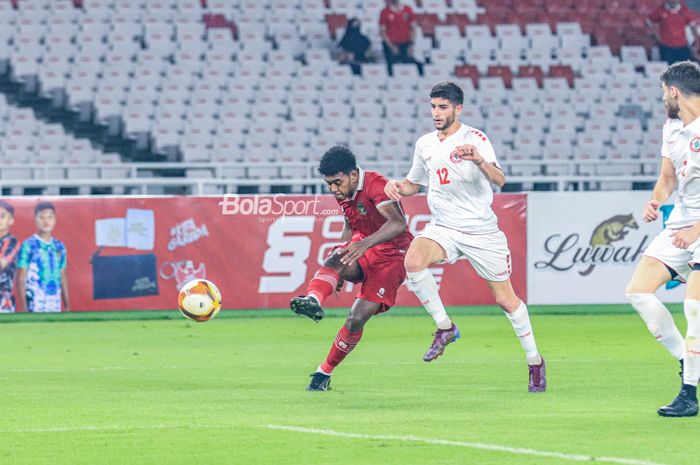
column 199, row 300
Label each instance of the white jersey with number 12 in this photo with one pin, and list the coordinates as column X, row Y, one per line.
column 459, row 195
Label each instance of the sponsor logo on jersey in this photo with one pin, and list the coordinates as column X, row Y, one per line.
column 381, row 292
column 361, row 208
column 695, row 144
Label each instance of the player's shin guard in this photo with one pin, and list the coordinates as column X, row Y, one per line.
column 323, row 283
column 660, row 322
column 691, row 367
column 344, row 342
column 423, row 285
column 523, row 329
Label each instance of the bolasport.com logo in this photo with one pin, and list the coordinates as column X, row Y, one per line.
column 269, row 208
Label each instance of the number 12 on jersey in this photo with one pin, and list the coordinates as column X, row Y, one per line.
column 442, row 175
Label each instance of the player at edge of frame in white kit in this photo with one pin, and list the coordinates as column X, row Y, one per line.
column 458, row 165
column 675, row 252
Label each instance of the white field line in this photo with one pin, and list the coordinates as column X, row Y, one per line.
column 470, row 445
column 84, row 428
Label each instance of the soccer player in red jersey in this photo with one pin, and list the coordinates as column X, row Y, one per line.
column 375, row 240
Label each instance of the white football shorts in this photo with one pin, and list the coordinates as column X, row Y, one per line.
column 679, row 260
column 488, row 253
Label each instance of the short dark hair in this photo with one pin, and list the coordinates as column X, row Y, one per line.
column 6, row 206
column 41, row 206
column 336, row 160
column 685, row 75
column 449, row 91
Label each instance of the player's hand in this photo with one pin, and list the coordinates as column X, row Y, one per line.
column 352, row 252
column 651, row 211
column 469, row 152
column 4, row 263
column 392, row 189
column 682, row 238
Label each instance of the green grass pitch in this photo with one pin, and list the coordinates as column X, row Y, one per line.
column 156, row 389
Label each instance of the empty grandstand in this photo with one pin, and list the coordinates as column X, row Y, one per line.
column 207, row 96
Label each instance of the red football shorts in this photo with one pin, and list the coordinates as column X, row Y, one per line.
column 383, row 271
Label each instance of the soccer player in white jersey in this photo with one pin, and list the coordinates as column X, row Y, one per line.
column 458, row 165
column 675, row 253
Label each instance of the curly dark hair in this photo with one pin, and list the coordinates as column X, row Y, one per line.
column 336, row 160
column 449, row 91
column 685, row 75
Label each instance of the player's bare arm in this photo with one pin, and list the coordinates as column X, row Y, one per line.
column 492, row 172
column 396, row 189
column 346, row 236
column 662, row 190
column 395, row 224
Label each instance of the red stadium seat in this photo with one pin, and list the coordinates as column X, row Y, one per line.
column 215, row 20
column 564, row 71
column 504, row 72
column 553, row 5
column 335, row 21
column 533, row 72
column 468, row 71
column 529, row 4
column 458, row 19
column 427, row 23
column 610, row 37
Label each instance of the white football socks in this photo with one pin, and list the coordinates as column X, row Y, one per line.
column 423, row 284
column 660, row 322
column 691, row 366
column 523, row 329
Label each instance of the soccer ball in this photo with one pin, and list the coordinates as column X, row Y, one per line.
column 199, row 300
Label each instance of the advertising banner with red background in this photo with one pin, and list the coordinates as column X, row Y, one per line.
column 133, row 253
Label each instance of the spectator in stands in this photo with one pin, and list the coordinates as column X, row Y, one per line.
column 672, row 17
column 42, row 283
column 397, row 27
column 353, row 47
column 8, row 252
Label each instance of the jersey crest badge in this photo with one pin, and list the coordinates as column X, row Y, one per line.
column 695, row 144
column 455, row 158
column 361, row 208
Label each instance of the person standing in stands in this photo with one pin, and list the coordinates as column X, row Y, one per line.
column 396, row 23
column 672, row 17
column 353, row 47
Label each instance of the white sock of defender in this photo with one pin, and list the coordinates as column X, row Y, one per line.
column 660, row 322
column 423, row 285
column 523, row 329
column 691, row 366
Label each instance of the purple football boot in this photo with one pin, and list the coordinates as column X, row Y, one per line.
column 538, row 378
column 442, row 338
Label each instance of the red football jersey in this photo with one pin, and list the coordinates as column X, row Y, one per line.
column 362, row 214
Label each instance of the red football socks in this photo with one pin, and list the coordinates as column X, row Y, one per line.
column 323, row 284
column 345, row 341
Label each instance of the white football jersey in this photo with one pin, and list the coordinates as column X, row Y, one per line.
column 681, row 145
column 459, row 195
